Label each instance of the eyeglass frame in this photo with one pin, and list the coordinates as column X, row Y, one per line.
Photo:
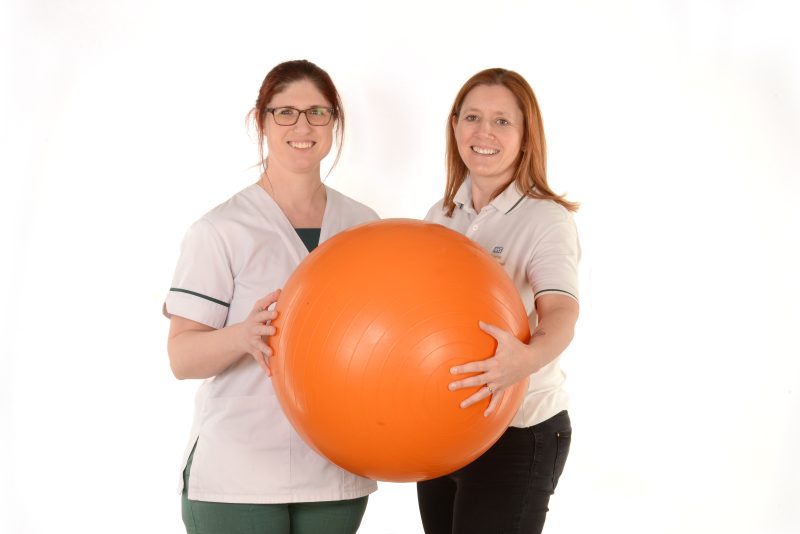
column 301, row 112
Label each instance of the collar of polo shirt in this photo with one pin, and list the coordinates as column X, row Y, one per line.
column 504, row 202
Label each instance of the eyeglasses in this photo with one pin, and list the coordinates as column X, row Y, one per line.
column 316, row 116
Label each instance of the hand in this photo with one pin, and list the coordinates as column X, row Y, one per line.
column 256, row 327
column 511, row 363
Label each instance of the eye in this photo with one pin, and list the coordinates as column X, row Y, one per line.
column 319, row 112
column 286, row 112
column 471, row 117
column 502, row 122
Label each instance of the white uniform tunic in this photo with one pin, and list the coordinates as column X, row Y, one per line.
column 247, row 452
column 536, row 242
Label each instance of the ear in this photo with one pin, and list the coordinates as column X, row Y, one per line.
column 454, row 121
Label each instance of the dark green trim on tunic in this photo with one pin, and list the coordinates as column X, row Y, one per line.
column 212, row 299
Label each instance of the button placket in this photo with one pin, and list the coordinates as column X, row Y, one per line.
column 475, row 224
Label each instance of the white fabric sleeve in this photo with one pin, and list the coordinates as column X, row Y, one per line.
column 202, row 287
column 434, row 212
column 553, row 266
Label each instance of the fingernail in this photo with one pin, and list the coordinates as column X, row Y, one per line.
column 451, row 387
column 452, row 370
column 463, row 404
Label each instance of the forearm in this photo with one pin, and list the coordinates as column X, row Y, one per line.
column 203, row 354
column 553, row 334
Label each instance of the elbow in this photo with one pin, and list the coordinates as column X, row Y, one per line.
column 177, row 373
column 176, row 363
column 572, row 319
column 177, row 369
column 570, row 335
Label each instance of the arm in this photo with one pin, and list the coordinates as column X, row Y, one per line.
column 200, row 351
column 513, row 360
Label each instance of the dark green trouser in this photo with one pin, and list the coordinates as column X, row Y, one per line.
column 329, row 517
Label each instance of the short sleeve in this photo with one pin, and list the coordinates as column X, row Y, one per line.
column 202, row 286
column 435, row 213
column 553, row 266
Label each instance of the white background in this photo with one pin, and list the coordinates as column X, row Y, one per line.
column 674, row 123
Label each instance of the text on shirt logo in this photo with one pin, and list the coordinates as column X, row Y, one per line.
column 497, row 253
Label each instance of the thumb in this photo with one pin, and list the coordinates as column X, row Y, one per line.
column 492, row 330
column 264, row 302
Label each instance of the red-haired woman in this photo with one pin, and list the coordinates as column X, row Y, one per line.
column 245, row 469
column 497, row 194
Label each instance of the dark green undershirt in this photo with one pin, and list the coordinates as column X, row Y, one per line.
column 309, row 236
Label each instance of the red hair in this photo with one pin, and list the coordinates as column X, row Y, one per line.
column 530, row 174
column 276, row 81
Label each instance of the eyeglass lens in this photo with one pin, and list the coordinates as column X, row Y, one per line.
column 316, row 116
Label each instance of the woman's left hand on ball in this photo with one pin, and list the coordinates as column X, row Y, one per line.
column 508, row 365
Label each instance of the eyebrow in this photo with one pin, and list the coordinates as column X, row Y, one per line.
column 497, row 112
column 298, row 107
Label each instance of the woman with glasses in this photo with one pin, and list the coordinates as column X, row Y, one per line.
column 245, row 469
column 497, row 194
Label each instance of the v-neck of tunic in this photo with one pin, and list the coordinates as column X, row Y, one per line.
column 309, row 237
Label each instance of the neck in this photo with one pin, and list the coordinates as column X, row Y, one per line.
column 482, row 190
column 293, row 187
column 301, row 197
column 481, row 193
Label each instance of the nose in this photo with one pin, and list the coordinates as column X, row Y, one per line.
column 485, row 128
column 302, row 122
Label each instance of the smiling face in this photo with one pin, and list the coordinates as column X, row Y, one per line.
column 299, row 148
column 488, row 132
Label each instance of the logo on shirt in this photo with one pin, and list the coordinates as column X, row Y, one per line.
column 497, row 253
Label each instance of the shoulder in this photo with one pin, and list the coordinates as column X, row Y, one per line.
column 230, row 214
column 546, row 225
column 350, row 206
column 436, row 213
column 544, row 211
column 239, row 204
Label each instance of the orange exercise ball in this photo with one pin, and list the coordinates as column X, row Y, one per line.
column 368, row 328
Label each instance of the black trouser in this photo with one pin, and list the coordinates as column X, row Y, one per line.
column 506, row 490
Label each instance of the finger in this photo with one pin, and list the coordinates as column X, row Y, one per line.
column 271, row 298
column 266, row 330
column 480, row 366
column 478, row 396
column 266, row 367
column 261, row 360
column 494, row 331
column 471, row 382
column 262, row 348
column 267, row 300
column 263, row 330
column 265, row 316
column 497, row 398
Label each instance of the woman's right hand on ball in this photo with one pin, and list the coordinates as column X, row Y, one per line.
column 256, row 327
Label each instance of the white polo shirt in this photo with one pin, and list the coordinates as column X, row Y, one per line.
column 536, row 242
column 247, row 452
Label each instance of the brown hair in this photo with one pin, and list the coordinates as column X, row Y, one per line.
column 276, row 81
column 531, row 172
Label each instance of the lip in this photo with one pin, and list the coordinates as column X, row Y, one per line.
column 484, row 151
